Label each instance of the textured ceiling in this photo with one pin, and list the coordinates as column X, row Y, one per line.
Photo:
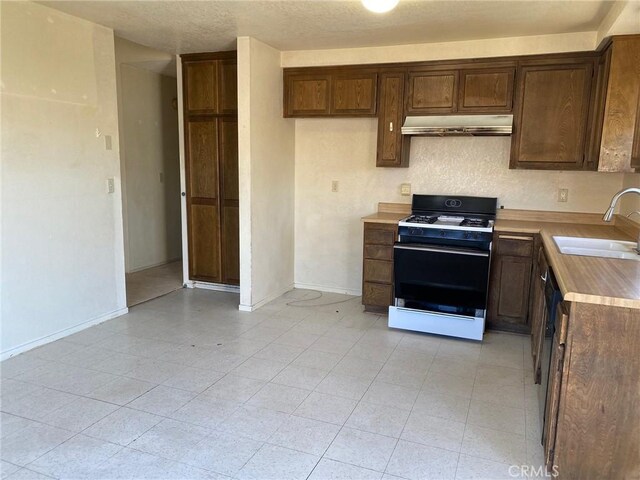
column 196, row 26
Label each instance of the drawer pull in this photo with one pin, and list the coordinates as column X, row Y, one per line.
column 515, row 237
column 391, row 126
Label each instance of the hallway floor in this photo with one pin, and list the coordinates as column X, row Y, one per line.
column 186, row 386
column 153, row 282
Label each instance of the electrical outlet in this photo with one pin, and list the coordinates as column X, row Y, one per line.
column 111, row 185
column 563, row 195
column 334, row 186
column 405, row 189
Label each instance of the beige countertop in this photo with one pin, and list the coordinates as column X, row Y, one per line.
column 604, row 281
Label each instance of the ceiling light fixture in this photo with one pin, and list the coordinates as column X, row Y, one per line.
column 379, row 6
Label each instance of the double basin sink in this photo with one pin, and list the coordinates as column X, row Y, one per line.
column 596, row 247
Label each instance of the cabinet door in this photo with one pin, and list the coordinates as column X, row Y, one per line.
column 486, row 90
column 203, row 200
column 620, row 112
column 432, row 92
column 201, row 87
column 230, row 228
column 539, row 316
column 552, row 110
column 354, row 94
column 228, row 86
column 307, row 95
column 390, row 117
column 509, row 290
column 635, row 151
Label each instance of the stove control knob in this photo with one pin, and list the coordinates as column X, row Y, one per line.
column 443, row 233
column 467, row 234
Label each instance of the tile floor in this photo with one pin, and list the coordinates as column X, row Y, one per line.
column 186, row 386
column 153, row 282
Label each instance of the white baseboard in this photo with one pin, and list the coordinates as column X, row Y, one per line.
column 153, row 265
column 273, row 296
column 219, row 287
column 324, row 288
column 61, row 334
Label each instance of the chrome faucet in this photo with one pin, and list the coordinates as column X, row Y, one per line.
column 614, row 201
column 609, row 213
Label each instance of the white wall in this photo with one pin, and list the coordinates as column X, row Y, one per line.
column 328, row 226
column 62, row 248
column 631, row 202
column 266, row 170
column 149, row 150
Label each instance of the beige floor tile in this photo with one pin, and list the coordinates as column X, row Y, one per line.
column 433, row 431
column 276, row 462
column 326, row 408
column 489, row 415
column 331, row 470
column 420, row 462
column 363, row 449
column 305, row 435
column 380, row 419
column 495, row 445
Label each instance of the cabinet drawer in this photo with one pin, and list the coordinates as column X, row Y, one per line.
column 380, row 271
column 514, row 245
column 377, row 294
column 379, row 236
column 378, row 252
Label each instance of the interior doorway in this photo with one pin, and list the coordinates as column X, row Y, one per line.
column 150, row 170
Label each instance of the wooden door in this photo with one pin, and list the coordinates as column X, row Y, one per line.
column 203, row 199
column 432, row 92
column 228, row 86
column 488, row 90
column 354, row 94
column 509, row 285
column 230, row 234
column 201, row 87
column 390, row 118
column 307, row 95
column 551, row 115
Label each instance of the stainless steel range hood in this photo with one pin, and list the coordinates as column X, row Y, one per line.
column 450, row 125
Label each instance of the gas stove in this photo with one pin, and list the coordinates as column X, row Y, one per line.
column 441, row 265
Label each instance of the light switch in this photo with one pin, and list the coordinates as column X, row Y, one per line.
column 111, row 185
column 334, row 186
column 405, row 189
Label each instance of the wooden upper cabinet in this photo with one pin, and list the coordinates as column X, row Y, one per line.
column 432, row 92
column 307, row 95
column 635, row 151
column 621, row 108
column 354, row 94
column 551, row 117
column 486, row 90
column 228, row 86
column 390, row 117
column 201, row 90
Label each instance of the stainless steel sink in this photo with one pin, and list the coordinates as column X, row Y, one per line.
column 597, row 247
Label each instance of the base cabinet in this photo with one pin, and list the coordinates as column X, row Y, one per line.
column 510, row 282
column 377, row 270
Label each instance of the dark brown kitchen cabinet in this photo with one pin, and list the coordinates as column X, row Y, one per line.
column 211, row 165
column 307, row 95
column 510, row 282
column 377, row 268
column 331, row 93
column 393, row 148
column 354, row 93
column 432, row 92
column 551, row 114
column 635, row 151
column 487, row 90
column 620, row 124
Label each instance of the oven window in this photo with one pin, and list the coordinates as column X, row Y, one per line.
column 441, row 278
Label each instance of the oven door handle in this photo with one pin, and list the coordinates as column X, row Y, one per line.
column 453, row 251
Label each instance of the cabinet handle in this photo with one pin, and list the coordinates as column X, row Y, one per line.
column 516, row 237
column 544, row 277
column 391, row 126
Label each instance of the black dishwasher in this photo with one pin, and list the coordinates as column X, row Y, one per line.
column 552, row 296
